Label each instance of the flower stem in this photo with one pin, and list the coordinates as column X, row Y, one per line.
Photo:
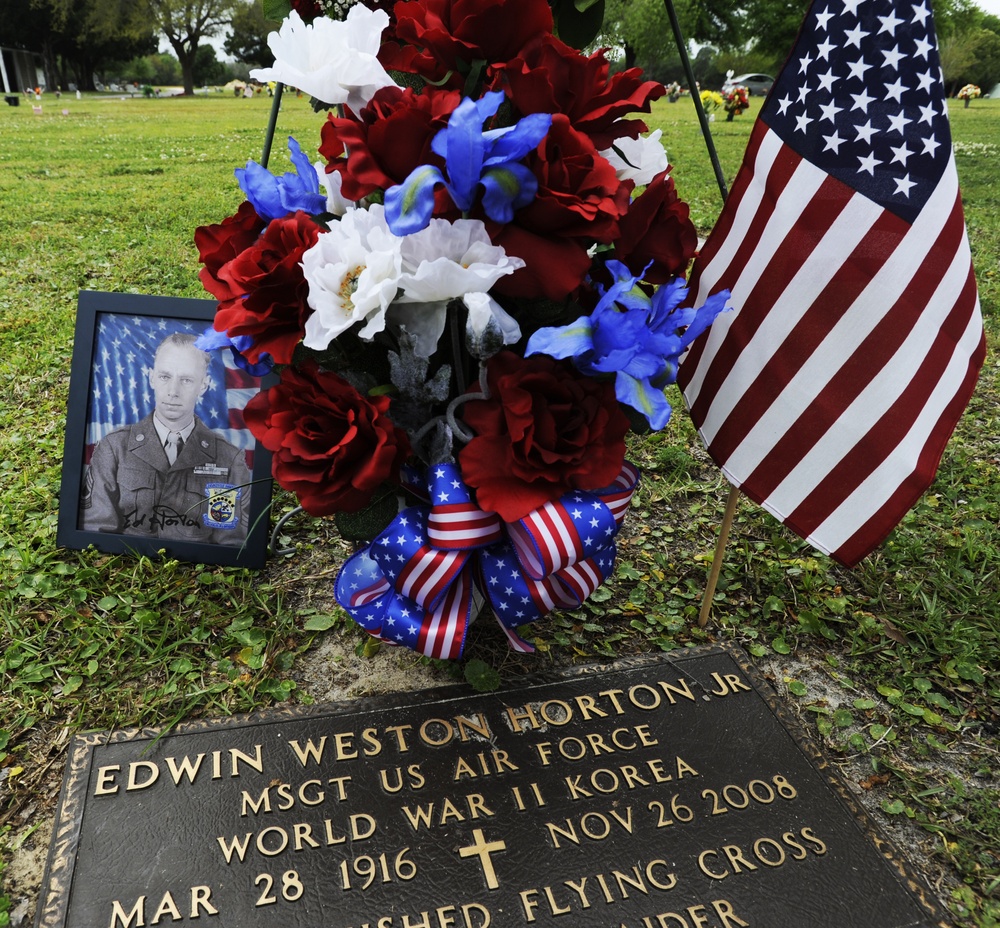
column 456, row 323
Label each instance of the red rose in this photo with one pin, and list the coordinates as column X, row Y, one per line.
column 219, row 244
column 454, row 33
column 545, row 430
column 390, row 138
column 331, row 446
column 657, row 229
column 552, row 77
column 579, row 201
column 269, row 302
column 307, row 9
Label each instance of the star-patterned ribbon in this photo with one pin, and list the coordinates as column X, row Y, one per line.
column 416, row 583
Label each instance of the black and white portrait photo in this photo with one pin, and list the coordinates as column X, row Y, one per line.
column 166, row 458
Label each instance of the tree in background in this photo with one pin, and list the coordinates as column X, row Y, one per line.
column 248, row 40
column 640, row 29
column 207, row 69
column 971, row 57
column 757, row 35
column 185, row 23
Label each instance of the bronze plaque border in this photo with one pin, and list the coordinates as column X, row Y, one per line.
column 54, row 901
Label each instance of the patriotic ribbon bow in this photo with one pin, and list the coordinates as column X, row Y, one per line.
column 416, row 583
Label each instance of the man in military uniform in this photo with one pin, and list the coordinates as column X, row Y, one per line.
column 169, row 476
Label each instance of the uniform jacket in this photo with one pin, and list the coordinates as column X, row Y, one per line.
column 131, row 489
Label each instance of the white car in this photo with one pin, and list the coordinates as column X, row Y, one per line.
column 754, row 83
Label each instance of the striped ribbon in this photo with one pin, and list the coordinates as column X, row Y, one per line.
column 416, row 583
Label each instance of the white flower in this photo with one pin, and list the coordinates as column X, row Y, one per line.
column 335, row 202
column 352, row 272
column 331, row 60
column 644, row 158
column 447, row 261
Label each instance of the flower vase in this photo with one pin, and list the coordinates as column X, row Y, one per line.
column 968, row 100
column 729, row 117
column 711, row 117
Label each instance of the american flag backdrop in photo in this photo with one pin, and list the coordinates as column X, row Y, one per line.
column 830, row 392
column 120, row 393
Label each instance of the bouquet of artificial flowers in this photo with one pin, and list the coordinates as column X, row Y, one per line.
column 969, row 92
column 711, row 100
column 735, row 100
column 468, row 301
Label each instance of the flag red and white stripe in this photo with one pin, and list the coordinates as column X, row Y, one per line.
column 829, row 394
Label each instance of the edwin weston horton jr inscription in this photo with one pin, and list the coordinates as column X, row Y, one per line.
column 662, row 793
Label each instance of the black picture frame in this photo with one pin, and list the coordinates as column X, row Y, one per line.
column 114, row 333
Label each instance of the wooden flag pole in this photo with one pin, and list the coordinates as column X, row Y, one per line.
column 720, row 550
column 734, row 492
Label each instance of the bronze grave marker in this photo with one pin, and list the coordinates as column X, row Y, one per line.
column 669, row 792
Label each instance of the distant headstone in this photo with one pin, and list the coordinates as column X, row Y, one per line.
column 672, row 792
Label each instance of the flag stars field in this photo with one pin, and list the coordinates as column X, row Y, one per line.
column 867, row 96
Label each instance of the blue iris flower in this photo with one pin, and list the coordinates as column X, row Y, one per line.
column 472, row 158
column 210, row 340
column 273, row 197
column 637, row 338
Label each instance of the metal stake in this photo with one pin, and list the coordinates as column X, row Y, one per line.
column 734, row 492
column 720, row 178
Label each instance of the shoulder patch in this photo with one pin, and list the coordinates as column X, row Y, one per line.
column 223, row 505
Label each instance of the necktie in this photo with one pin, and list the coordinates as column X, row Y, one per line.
column 173, row 446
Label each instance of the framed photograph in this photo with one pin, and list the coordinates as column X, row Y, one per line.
column 157, row 456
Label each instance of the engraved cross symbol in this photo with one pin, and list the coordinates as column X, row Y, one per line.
column 482, row 849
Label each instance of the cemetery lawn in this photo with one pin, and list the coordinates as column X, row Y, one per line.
column 892, row 666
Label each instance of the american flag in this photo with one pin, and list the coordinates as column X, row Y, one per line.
column 829, row 394
column 120, row 394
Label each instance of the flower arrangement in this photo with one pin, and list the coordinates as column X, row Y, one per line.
column 969, row 93
column 711, row 100
column 468, row 302
column 735, row 101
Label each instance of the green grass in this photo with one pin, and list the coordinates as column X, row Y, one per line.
column 107, row 198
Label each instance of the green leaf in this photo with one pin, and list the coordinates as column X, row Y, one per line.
column 811, row 622
column 277, row 689
column 627, row 572
column 481, row 677
column 969, row 672
column 577, row 27
column 895, row 807
column 320, row 623
column 842, row 718
column 276, row 10
column 107, row 603
column 180, row 665
column 72, row 685
column 864, row 703
column 797, row 688
column 780, row 646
